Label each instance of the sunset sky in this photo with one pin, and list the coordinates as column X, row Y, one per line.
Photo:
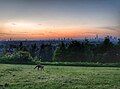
column 44, row 19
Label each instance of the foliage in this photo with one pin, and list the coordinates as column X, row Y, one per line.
column 72, row 51
column 18, row 57
column 75, row 51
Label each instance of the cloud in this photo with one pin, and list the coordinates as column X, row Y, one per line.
column 14, row 24
column 113, row 28
column 4, row 34
column 39, row 24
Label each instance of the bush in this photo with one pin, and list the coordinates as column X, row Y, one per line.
column 18, row 57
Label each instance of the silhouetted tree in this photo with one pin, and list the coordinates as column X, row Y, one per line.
column 107, row 45
column 33, row 50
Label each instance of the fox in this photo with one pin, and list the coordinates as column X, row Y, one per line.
column 39, row 66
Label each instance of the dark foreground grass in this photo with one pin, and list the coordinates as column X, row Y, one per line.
column 58, row 77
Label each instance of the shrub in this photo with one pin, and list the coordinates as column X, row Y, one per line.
column 18, row 57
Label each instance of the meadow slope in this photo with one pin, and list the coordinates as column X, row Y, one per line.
column 58, row 77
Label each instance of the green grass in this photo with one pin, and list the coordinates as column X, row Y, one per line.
column 85, row 64
column 58, row 77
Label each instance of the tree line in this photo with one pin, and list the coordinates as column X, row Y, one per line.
column 74, row 51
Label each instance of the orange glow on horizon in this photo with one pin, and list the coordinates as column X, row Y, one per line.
column 67, row 33
column 29, row 30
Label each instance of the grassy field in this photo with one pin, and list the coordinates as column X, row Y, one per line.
column 58, row 77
